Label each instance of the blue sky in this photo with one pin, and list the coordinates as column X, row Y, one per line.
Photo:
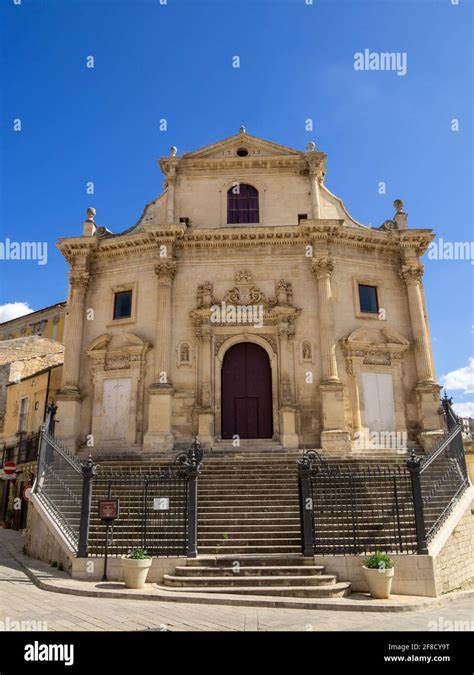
column 174, row 61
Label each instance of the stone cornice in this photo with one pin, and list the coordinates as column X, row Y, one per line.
column 316, row 232
column 219, row 164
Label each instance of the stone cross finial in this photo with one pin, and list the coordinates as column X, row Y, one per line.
column 242, row 129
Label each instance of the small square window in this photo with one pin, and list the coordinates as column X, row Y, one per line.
column 302, row 216
column 368, row 299
column 123, row 305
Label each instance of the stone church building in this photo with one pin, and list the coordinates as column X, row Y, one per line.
column 246, row 303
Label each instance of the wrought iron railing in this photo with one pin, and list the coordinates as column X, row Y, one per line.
column 157, row 511
column 361, row 509
column 397, row 509
column 153, row 513
column 58, row 487
column 443, row 475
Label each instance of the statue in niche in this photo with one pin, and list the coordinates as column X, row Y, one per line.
column 306, row 350
column 184, row 353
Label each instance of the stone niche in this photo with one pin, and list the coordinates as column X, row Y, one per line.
column 117, row 373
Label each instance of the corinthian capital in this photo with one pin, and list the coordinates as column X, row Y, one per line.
column 412, row 274
column 165, row 271
column 322, row 267
column 79, row 280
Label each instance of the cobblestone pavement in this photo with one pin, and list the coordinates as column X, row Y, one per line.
column 21, row 600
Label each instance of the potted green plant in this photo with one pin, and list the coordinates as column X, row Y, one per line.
column 135, row 566
column 378, row 571
column 9, row 519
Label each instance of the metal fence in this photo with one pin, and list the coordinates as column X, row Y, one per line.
column 362, row 510
column 58, row 487
column 443, row 476
column 394, row 509
column 157, row 511
column 152, row 514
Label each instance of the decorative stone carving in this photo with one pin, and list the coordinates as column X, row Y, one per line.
column 322, row 266
column 245, row 292
column 412, row 274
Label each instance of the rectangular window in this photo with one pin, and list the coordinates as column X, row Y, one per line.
column 23, row 416
column 123, row 305
column 368, row 299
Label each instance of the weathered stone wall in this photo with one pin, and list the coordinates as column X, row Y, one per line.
column 454, row 566
column 40, row 541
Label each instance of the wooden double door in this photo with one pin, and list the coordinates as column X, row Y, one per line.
column 246, row 387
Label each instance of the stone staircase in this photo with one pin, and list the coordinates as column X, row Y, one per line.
column 293, row 576
column 249, row 536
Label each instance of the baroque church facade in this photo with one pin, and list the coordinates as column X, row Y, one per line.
column 246, row 303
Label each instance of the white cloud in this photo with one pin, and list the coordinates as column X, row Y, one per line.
column 464, row 409
column 460, row 379
column 12, row 310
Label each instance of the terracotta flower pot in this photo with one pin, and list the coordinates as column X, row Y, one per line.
column 135, row 571
column 379, row 581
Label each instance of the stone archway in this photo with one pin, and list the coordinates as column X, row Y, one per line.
column 246, row 392
column 272, row 360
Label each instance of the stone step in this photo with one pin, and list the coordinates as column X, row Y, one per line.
column 339, row 589
column 249, row 570
column 261, row 549
column 244, row 581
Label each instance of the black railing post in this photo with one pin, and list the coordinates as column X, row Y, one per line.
column 192, row 461
column 306, row 506
column 414, row 467
column 89, row 470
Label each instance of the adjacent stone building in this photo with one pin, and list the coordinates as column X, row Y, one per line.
column 47, row 322
column 246, row 303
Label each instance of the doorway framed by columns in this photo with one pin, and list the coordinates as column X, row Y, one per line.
column 272, row 411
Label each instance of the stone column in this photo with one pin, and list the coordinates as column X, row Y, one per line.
column 205, row 409
column 69, row 397
column 322, row 269
column 334, row 437
column 289, row 437
column 412, row 276
column 426, row 390
column 159, row 436
column 165, row 272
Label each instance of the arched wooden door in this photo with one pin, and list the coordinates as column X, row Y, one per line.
column 246, row 392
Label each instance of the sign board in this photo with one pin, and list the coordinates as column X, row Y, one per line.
column 9, row 468
column 27, row 492
column 108, row 509
column 161, row 503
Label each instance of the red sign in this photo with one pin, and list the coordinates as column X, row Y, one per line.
column 9, row 468
column 27, row 492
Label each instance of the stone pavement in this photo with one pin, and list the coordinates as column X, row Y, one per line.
column 22, row 601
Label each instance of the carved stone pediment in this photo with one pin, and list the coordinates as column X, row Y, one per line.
column 375, row 345
column 117, row 352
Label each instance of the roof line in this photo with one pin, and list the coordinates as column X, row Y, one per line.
column 37, row 311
